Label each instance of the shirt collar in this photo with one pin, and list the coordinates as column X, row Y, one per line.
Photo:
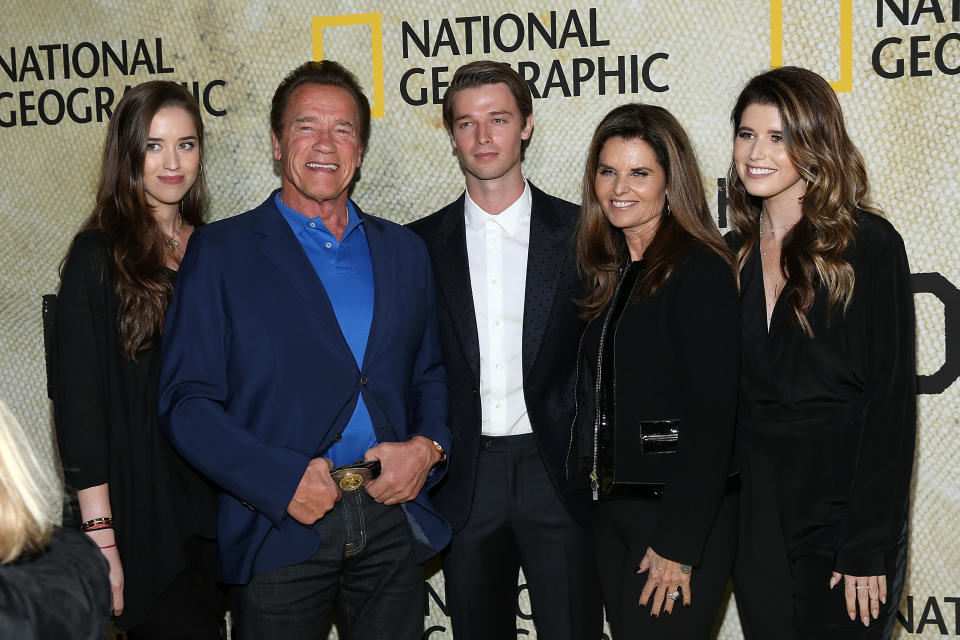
column 512, row 219
column 298, row 221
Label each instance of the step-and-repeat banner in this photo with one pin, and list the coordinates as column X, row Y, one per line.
column 894, row 64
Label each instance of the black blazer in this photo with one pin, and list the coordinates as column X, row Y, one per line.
column 551, row 332
column 676, row 357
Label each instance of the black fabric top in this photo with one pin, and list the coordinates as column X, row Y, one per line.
column 675, row 357
column 105, row 409
column 62, row 593
column 838, row 409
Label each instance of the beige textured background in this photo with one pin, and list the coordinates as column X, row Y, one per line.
column 906, row 128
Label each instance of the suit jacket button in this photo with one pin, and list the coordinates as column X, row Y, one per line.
column 363, row 380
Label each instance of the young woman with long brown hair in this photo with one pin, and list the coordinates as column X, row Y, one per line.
column 656, row 385
column 150, row 513
column 827, row 398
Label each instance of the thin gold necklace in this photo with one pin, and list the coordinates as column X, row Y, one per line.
column 776, row 286
column 172, row 242
column 770, row 232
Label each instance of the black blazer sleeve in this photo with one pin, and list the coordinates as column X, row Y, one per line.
column 82, row 321
column 707, row 348
column 878, row 501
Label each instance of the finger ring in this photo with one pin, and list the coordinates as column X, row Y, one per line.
column 862, row 587
column 685, row 568
column 674, row 595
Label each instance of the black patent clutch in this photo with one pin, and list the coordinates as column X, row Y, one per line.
column 659, row 436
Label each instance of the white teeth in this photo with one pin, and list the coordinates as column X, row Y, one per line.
column 757, row 171
column 621, row 203
column 317, row 165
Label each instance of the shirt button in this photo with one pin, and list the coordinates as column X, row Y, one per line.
column 494, row 281
column 499, row 366
column 496, row 323
column 313, row 225
column 329, row 244
column 499, row 405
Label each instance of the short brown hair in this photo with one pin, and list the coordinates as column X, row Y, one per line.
column 325, row 72
column 481, row 73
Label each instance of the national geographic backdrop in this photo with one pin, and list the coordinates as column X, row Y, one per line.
column 894, row 64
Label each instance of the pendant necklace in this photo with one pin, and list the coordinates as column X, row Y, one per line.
column 763, row 254
column 172, row 243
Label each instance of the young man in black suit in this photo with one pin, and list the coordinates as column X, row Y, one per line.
column 510, row 346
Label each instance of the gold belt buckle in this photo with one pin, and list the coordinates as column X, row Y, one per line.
column 350, row 477
column 351, row 481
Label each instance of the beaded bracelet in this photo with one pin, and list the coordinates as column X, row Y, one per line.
column 92, row 525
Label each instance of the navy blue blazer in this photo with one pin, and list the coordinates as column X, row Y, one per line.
column 257, row 379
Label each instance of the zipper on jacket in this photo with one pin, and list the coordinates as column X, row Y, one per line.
column 594, row 476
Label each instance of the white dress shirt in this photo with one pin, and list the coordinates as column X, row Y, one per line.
column 497, row 254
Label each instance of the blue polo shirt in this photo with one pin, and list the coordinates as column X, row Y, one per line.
column 346, row 271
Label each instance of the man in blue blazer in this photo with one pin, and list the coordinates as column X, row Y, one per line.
column 303, row 336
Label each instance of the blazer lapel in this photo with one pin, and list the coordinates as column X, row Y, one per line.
column 281, row 248
column 452, row 271
column 545, row 255
column 383, row 256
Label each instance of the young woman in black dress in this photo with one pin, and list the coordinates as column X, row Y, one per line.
column 150, row 513
column 828, row 395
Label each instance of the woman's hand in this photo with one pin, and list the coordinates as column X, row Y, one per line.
column 667, row 578
column 116, row 577
column 866, row 593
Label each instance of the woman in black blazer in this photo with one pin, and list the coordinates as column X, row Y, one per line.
column 828, row 395
column 657, row 379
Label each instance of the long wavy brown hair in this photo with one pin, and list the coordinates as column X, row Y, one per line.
column 138, row 245
column 817, row 143
column 602, row 248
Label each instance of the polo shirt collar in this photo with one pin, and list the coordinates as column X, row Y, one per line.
column 298, row 222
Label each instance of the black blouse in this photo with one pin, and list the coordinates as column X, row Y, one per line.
column 838, row 409
column 105, row 409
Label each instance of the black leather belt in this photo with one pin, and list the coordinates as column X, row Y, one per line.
column 654, row 492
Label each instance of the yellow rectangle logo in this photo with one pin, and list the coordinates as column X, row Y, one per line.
column 845, row 83
column 373, row 20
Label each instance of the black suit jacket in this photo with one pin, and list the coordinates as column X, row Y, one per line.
column 551, row 333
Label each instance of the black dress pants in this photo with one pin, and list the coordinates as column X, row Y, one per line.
column 517, row 520
column 780, row 597
column 622, row 531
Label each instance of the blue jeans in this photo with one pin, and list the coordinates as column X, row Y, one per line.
column 366, row 566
